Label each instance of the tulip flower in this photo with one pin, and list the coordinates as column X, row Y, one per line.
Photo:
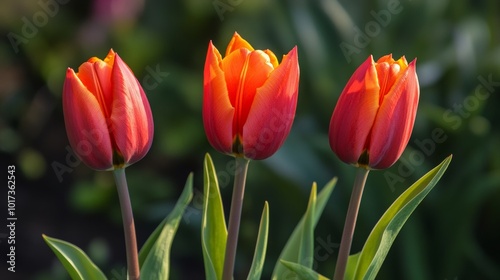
column 249, row 103
column 106, row 112
column 373, row 120
column 249, row 99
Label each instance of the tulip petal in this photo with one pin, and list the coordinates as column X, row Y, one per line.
column 218, row 111
column 386, row 58
column 272, row 57
column 85, row 124
column 233, row 66
column 245, row 72
column 394, row 123
column 273, row 110
column 131, row 117
column 95, row 75
column 355, row 113
column 237, row 42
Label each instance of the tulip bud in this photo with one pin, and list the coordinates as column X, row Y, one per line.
column 374, row 116
column 107, row 115
column 249, row 99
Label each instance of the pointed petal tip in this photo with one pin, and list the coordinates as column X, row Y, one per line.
column 212, row 48
column 371, row 59
column 111, row 53
column 238, row 42
column 291, row 55
column 212, row 54
column 385, row 58
column 412, row 65
column 70, row 74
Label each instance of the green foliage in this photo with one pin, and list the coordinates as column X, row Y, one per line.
column 77, row 263
column 154, row 257
column 385, row 231
column 213, row 228
column 214, row 231
column 352, row 263
column 306, row 246
column 303, row 272
column 292, row 251
column 261, row 246
column 366, row 264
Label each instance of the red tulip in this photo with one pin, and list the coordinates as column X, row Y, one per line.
column 373, row 120
column 107, row 115
column 249, row 99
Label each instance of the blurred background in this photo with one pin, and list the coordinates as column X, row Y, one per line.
column 453, row 234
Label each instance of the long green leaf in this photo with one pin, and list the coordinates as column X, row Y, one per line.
column 261, row 246
column 304, row 272
column 352, row 263
column 76, row 262
column 290, row 252
column 187, row 192
column 213, row 228
column 306, row 246
column 155, row 254
column 387, row 228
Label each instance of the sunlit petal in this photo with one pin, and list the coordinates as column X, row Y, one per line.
column 218, row 112
column 86, row 124
column 273, row 110
column 237, row 43
column 394, row 123
column 131, row 118
column 355, row 113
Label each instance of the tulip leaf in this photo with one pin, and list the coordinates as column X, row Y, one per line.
column 352, row 263
column 385, row 231
column 306, row 249
column 303, row 272
column 213, row 228
column 154, row 257
column 261, row 246
column 291, row 251
column 77, row 263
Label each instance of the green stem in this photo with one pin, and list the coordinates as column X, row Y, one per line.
column 128, row 224
column 350, row 223
column 235, row 217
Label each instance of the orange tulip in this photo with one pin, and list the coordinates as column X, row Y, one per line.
column 106, row 112
column 373, row 119
column 249, row 99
